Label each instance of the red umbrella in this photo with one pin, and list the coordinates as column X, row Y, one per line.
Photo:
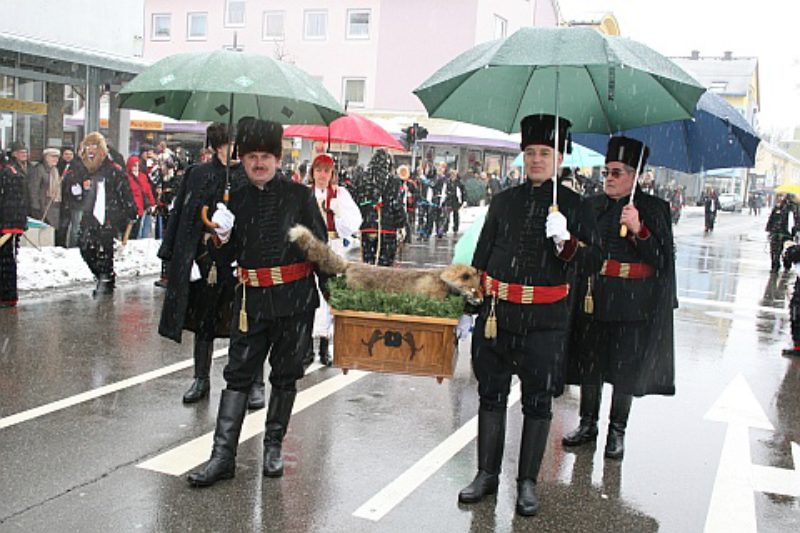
column 350, row 128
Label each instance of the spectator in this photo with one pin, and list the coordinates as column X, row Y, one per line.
column 19, row 160
column 142, row 196
column 45, row 193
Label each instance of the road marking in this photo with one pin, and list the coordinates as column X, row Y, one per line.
column 733, row 305
column 58, row 405
column 395, row 492
column 187, row 456
column 732, row 506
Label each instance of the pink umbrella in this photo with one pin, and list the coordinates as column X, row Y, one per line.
column 350, row 128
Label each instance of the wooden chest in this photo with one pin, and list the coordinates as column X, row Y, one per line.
column 395, row 344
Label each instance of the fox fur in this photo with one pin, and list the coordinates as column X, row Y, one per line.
column 434, row 283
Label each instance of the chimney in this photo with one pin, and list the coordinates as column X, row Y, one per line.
column 728, row 55
column 695, row 54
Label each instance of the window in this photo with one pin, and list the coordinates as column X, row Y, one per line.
column 500, row 27
column 196, row 26
column 354, row 89
column 273, row 26
column 234, row 13
column 161, row 27
column 358, row 23
column 316, row 25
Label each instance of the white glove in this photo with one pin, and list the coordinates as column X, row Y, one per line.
column 194, row 273
column 556, row 228
column 401, row 235
column 224, row 220
column 465, row 325
column 76, row 189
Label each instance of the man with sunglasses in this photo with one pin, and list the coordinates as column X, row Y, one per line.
column 623, row 332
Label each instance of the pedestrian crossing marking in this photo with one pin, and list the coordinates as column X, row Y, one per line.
column 187, row 456
column 395, row 492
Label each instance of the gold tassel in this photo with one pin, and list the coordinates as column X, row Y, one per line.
column 212, row 275
column 242, row 311
column 490, row 330
column 588, row 300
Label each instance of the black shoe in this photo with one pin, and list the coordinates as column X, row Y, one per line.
column 589, row 411
column 491, row 441
column 105, row 285
column 324, row 353
column 256, row 398
column 620, row 410
column 278, row 414
column 222, row 465
column 531, row 452
column 161, row 282
column 584, row 433
column 200, row 389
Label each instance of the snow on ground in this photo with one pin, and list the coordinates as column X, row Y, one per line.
column 53, row 267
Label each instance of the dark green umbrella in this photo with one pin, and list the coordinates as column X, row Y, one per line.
column 207, row 86
column 600, row 83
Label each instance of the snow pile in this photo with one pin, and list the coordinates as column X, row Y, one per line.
column 54, row 267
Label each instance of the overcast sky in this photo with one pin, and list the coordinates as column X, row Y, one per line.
column 766, row 29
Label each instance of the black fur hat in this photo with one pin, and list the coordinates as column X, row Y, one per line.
column 540, row 129
column 256, row 135
column 626, row 150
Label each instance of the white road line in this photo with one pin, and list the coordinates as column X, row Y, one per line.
column 731, row 305
column 189, row 455
column 58, row 405
column 396, row 491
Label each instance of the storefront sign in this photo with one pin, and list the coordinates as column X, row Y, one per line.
column 23, row 106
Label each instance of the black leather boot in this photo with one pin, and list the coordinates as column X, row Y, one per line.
column 618, row 421
column 534, row 442
column 203, row 351
column 278, row 414
column 222, row 465
column 257, row 398
column 105, row 285
column 491, row 440
column 324, row 353
column 590, row 409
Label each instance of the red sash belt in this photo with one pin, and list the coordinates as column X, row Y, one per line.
column 267, row 277
column 615, row 269
column 383, row 231
column 524, row 294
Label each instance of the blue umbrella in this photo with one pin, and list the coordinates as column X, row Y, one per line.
column 717, row 136
column 580, row 157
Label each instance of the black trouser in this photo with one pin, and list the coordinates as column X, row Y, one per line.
column 8, row 270
column 369, row 247
column 456, row 219
column 442, row 220
column 285, row 339
column 411, row 225
column 423, row 214
column 794, row 313
column 432, row 219
column 776, row 241
column 536, row 357
column 97, row 249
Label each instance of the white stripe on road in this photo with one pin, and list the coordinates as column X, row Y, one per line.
column 396, row 491
column 185, row 457
column 58, row 405
column 731, row 305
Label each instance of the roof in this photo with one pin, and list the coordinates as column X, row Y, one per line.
column 736, row 73
column 70, row 53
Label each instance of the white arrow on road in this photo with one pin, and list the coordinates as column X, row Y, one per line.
column 732, row 500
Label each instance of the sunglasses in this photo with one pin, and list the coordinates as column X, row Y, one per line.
column 613, row 172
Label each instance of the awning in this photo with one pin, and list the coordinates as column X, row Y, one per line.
column 70, row 53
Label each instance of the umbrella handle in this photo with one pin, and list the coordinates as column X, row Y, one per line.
column 623, row 231
column 204, row 218
column 553, row 209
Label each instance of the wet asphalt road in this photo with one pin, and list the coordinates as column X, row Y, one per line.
column 74, row 467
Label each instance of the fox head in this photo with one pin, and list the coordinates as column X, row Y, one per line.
column 464, row 280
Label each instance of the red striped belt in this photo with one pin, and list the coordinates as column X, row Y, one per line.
column 524, row 294
column 615, row 269
column 375, row 230
column 268, row 277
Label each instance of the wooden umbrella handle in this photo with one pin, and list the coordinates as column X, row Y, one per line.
column 204, row 217
column 623, row 231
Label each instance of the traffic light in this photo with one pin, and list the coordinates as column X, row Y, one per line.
column 420, row 132
column 406, row 137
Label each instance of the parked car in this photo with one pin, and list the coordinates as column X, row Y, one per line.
column 730, row 202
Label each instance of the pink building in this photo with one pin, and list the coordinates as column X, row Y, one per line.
column 370, row 54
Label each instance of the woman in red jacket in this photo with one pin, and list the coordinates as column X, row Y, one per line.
column 142, row 195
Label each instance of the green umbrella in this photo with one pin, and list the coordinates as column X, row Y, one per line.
column 207, row 86
column 601, row 83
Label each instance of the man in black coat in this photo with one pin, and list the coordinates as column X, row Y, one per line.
column 275, row 299
column 526, row 251
column 13, row 223
column 623, row 332
column 108, row 210
column 781, row 226
column 200, row 293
